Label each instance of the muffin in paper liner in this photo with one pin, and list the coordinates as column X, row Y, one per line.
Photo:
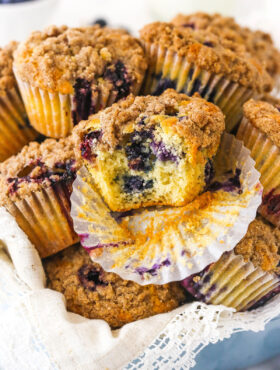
column 245, row 278
column 35, row 189
column 45, row 218
column 234, row 283
column 15, row 131
column 267, row 157
column 66, row 74
column 167, row 69
column 52, row 113
column 159, row 245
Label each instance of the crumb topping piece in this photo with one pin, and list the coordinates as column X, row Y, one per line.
column 211, row 52
column 193, row 118
column 7, row 78
column 55, row 58
column 261, row 245
column 264, row 116
column 259, row 44
column 37, row 165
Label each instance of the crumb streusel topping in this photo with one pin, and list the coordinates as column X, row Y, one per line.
column 257, row 43
column 96, row 294
column 261, row 245
column 264, row 116
column 7, row 78
column 200, row 122
column 37, row 165
column 55, row 58
column 210, row 52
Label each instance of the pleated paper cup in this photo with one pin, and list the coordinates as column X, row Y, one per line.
column 160, row 245
column 45, row 217
column 15, row 131
column 267, row 157
column 169, row 70
column 54, row 114
column 234, row 283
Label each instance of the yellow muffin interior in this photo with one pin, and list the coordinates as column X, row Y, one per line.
column 151, row 166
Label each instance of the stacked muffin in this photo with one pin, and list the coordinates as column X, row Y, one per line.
column 15, row 130
column 197, row 75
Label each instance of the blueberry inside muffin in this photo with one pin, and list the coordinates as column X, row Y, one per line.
column 149, row 151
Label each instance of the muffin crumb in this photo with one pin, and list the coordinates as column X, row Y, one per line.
column 261, row 245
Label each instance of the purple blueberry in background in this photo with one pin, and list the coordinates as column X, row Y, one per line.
column 13, row 1
column 90, row 277
column 118, row 75
column 83, row 105
column 100, row 21
column 164, row 84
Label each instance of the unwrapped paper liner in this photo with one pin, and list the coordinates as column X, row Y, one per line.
column 160, row 245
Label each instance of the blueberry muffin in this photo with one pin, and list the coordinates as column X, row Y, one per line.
column 66, row 74
column 190, row 61
column 245, row 278
column 15, row 131
column 96, row 294
column 259, row 44
column 35, row 187
column 260, row 132
column 146, row 151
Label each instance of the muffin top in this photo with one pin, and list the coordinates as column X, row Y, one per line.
column 257, row 43
column 7, row 78
column 265, row 117
column 210, row 52
column 55, row 58
column 36, row 166
column 96, row 294
column 195, row 119
column 261, row 245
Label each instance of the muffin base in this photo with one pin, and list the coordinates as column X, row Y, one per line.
column 52, row 114
column 15, row 131
column 232, row 282
column 267, row 158
column 169, row 70
column 45, row 217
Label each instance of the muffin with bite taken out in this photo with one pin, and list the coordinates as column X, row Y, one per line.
column 147, row 151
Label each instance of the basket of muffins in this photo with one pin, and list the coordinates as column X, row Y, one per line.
column 145, row 171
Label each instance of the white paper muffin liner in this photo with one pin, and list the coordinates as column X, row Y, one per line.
column 160, row 245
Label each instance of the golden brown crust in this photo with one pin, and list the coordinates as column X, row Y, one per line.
column 109, row 298
column 264, row 116
column 211, row 52
column 261, row 245
column 28, row 162
column 7, row 78
column 55, row 58
column 201, row 123
column 257, row 43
